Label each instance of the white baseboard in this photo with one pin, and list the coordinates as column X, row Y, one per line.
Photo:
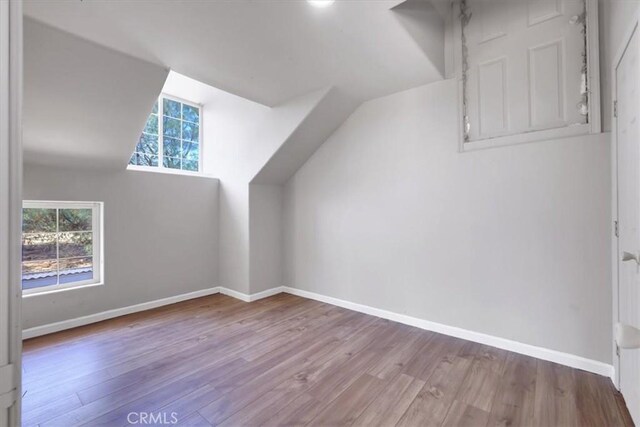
column 561, row 358
column 251, row 297
column 110, row 314
column 235, row 294
column 266, row 294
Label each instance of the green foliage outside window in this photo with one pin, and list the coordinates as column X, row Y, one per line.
column 57, row 245
column 178, row 137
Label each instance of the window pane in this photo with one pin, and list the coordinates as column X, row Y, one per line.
column 34, row 276
column 152, row 125
column 190, row 165
column 38, row 246
column 171, row 147
column 144, row 159
column 38, row 282
column 135, row 159
column 180, row 137
column 171, row 108
column 76, row 269
column 190, row 132
column 190, row 151
column 147, row 160
column 36, row 220
column 64, row 255
column 75, row 244
column 41, row 266
column 148, row 144
column 191, row 114
column 172, row 162
column 171, row 127
column 75, row 219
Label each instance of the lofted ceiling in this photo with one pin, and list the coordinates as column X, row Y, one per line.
column 84, row 105
column 267, row 51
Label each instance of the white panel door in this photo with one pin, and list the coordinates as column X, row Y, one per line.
column 628, row 143
column 525, row 62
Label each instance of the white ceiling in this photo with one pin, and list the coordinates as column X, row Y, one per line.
column 264, row 50
column 84, row 105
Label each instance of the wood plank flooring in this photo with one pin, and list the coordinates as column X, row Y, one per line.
column 286, row 360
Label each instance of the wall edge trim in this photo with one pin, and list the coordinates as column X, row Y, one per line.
column 542, row 353
column 50, row 328
column 566, row 359
column 251, row 297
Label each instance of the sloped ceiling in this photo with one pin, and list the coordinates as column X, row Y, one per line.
column 89, row 88
column 84, row 105
column 425, row 24
column 443, row 7
column 266, row 51
column 330, row 111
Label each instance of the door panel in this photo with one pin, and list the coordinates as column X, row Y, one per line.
column 525, row 66
column 627, row 134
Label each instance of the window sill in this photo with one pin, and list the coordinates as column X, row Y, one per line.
column 168, row 171
column 58, row 288
column 523, row 138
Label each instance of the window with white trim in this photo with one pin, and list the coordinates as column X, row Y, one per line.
column 61, row 245
column 171, row 138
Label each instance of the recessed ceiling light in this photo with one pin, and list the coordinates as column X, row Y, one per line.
column 321, row 3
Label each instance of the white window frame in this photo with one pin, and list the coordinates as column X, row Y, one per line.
column 161, row 167
column 593, row 76
column 97, row 228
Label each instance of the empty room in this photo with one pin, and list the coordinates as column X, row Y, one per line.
column 319, row 212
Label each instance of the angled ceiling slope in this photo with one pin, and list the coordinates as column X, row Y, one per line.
column 425, row 24
column 265, row 51
column 328, row 113
column 84, row 105
column 443, row 7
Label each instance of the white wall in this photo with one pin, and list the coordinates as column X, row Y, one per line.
column 240, row 137
column 512, row 242
column 616, row 19
column 265, row 231
column 619, row 16
column 231, row 144
column 160, row 237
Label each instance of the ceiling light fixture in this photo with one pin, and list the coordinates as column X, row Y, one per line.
column 321, row 3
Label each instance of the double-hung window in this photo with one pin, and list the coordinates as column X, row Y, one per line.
column 61, row 245
column 171, row 138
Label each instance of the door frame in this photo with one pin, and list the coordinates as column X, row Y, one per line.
column 615, row 249
column 11, row 193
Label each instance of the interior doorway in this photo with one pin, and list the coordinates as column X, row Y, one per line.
column 627, row 134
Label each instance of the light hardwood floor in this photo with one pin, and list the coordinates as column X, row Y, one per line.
column 286, row 360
